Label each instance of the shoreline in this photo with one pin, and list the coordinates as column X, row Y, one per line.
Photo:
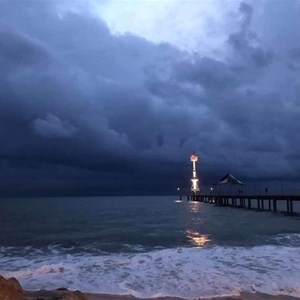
column 241, row 296
column 11, row 289
column 78, row 295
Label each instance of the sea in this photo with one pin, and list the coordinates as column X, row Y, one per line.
column 148, row 247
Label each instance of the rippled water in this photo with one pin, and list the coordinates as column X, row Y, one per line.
column 147, row 246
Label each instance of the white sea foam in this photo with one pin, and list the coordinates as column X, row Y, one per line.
column 185, row 272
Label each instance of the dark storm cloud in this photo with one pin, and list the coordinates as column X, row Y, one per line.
column 52, row 126
column 295, row 54
column 17, row 50
column 209, row 73
column 85, row 111
column 245, row 41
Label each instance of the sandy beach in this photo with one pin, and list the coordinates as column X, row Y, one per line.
column 11, row 289
column 54, row 295
column 242, row 296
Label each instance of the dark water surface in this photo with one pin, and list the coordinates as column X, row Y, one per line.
column 147, row 245
column 108, row 223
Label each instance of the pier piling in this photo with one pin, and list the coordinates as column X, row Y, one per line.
column 246, row 201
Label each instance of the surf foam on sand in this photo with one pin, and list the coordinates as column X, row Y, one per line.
column 181, row 272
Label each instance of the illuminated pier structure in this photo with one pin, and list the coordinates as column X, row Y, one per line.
column 267, row 202
column 273, row 203
column 195, row 181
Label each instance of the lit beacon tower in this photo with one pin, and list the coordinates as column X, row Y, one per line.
column 195, row 180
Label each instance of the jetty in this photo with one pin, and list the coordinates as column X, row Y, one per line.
column 275, row 203
column 238, row 199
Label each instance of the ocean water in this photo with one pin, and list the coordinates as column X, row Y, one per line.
column 148, row 246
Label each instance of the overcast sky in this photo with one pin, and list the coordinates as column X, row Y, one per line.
column 112, row 97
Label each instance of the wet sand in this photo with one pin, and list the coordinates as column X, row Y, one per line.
column 242, row 296
column 11, row 289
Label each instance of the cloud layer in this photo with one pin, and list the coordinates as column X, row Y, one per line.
column 85, row 111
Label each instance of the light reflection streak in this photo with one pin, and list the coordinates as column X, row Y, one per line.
column 194, row 206
column 178, row 201
column 197, row 239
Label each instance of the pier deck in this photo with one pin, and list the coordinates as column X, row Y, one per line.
column 255, row 202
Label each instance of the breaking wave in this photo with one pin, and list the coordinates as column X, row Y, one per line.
column 184, row 272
